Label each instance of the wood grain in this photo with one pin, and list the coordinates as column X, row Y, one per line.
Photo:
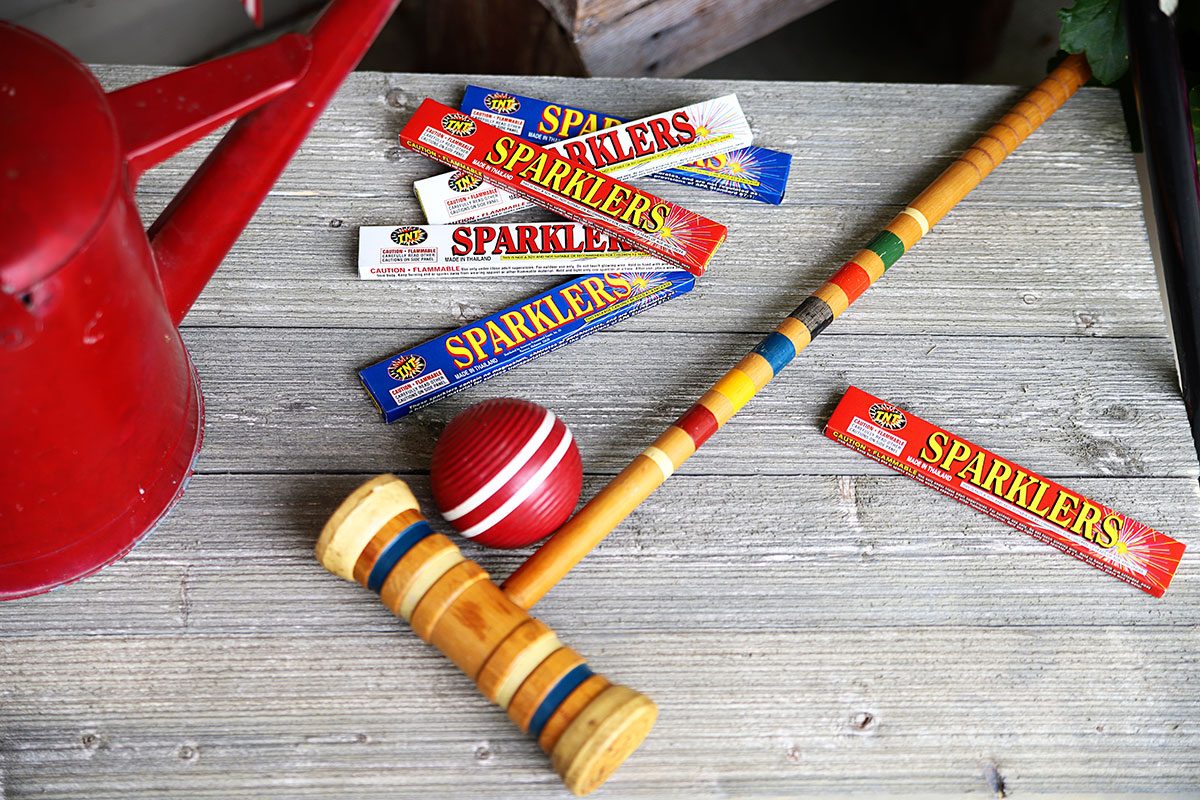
column 873, row 638
column 282, row 400
column 664, row 38
column 808, row 623
column 294, row 265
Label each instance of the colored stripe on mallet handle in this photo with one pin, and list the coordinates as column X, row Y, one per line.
column 377, row 537
column 606, row 510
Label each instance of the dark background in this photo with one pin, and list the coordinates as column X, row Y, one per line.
column 922, row 41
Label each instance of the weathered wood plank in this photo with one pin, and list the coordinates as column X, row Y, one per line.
column 294, row 265
column 563, row 12
column 876, row 711
column 836, row 552
column 844, row 150
column 289, row 400
column 669, row 37
column 906, row 656
column 976, row 274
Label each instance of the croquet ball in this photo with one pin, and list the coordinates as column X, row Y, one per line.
column 506, row 473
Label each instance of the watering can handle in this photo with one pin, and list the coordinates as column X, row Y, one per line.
column 160, row 117
column 197, row 229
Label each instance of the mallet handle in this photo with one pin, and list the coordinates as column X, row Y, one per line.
column 606, row 510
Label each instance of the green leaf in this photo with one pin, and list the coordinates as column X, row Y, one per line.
column 1097, row 28
column 1194, row 108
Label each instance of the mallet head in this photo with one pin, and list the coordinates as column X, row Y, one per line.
column 588, row 726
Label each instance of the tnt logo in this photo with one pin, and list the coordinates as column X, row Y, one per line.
column 463, row 182
column 406, row 367
column 409, row 236
column 458, row 124
column 886, row 416
column 502, row 103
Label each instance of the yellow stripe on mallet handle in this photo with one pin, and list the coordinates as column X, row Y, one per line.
column 377, row 537
column 598, row 518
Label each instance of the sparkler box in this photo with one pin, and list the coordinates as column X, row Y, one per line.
column 575, row 189
column 488, row 347
column 669, row 139
column 1047, row 511
column 547, row 248
column 754, row 173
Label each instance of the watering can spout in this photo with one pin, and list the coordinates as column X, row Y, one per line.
column 197, row 229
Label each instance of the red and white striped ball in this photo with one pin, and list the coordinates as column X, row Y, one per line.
column 506, row 473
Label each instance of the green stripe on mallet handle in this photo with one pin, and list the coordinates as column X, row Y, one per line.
column 606, row 510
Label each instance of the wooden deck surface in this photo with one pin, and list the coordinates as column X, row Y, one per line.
column 809, row 623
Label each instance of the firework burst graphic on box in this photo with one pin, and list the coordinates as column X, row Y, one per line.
column 1144, row 551
column 714, row 118
column 742, row 166
column 686, row 231
column 644, row 280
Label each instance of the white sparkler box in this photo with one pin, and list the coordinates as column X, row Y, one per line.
column 548, row 248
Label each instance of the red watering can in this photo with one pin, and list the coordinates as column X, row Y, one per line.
column 100, row 411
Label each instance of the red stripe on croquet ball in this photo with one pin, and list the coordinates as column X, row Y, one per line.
column 506, row 473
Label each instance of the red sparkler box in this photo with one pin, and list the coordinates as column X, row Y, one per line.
column 1047, row 511
column 575, row 190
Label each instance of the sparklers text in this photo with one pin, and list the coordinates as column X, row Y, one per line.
column 1064, row 509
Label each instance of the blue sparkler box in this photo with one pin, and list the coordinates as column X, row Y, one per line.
column 754, row 173
column 495, row 344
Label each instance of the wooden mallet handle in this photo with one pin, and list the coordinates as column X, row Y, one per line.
column 588, row 726
column 562, row 551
